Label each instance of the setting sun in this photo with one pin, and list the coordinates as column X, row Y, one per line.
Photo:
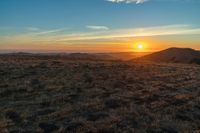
column 140, row 46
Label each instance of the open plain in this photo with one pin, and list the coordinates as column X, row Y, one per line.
column 43, row 94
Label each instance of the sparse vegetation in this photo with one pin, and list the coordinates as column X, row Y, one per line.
column 54, row 94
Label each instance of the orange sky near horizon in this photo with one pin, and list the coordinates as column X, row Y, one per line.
column 148, row 46
column 94, row 42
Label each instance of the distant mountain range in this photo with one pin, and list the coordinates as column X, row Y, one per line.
column 85, row 56
column 170, row 55
column 173, row 55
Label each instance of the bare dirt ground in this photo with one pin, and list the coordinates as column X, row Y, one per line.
column 51, row 94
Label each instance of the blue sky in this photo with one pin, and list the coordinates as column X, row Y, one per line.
column 56, row 20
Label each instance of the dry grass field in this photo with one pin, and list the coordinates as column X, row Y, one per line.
column 44, row 94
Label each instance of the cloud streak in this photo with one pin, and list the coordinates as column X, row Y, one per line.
column 135, row 32
column 143, row 1
column 128, row 1
column 95, row 27
column 50, row 31
column 61, row 37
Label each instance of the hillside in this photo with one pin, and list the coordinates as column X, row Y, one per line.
column 174, row 55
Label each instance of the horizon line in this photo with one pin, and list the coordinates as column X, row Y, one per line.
column 39, row 51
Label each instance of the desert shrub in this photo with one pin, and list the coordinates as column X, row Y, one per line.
column 56, row 62
column 114, row 103
column 48, row 127
column 35, row 81
column 96, row 116
column 153, row 130
column 161, row 130
column 45, row 103
column 21, row 131
column 183, row 117
column 45, row 112
column 197, row 61
column 130, row 80
column 106, row 130
column 153, row 97
column 128, row 121
column 169, row 130
column 6, row 93
column 36, row 84
column 123, row 77
column 87, row 78
column 119, row 84
column 103, row 75
column 13, row 115
column 178, row 102
column 72, row 127
column 43, row 65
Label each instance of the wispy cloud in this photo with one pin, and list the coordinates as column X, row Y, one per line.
column 135, row 32
column 60, row 36
column 97, row 27
column 50, row 31
column 34, row 35
column 143, row 1
column 39, row 31
column 128, row 1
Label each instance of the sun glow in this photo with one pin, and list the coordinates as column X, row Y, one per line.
column 140, row 46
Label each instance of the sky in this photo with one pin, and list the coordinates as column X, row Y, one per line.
column 98, row 25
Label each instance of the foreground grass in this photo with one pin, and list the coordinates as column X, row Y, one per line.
column 53, row 94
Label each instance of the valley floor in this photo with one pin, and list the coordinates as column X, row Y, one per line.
column 52, row 94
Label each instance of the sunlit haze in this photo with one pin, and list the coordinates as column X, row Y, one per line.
column 98, row 25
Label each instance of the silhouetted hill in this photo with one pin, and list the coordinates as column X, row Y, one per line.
column 126, row 55
column 174, row 55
